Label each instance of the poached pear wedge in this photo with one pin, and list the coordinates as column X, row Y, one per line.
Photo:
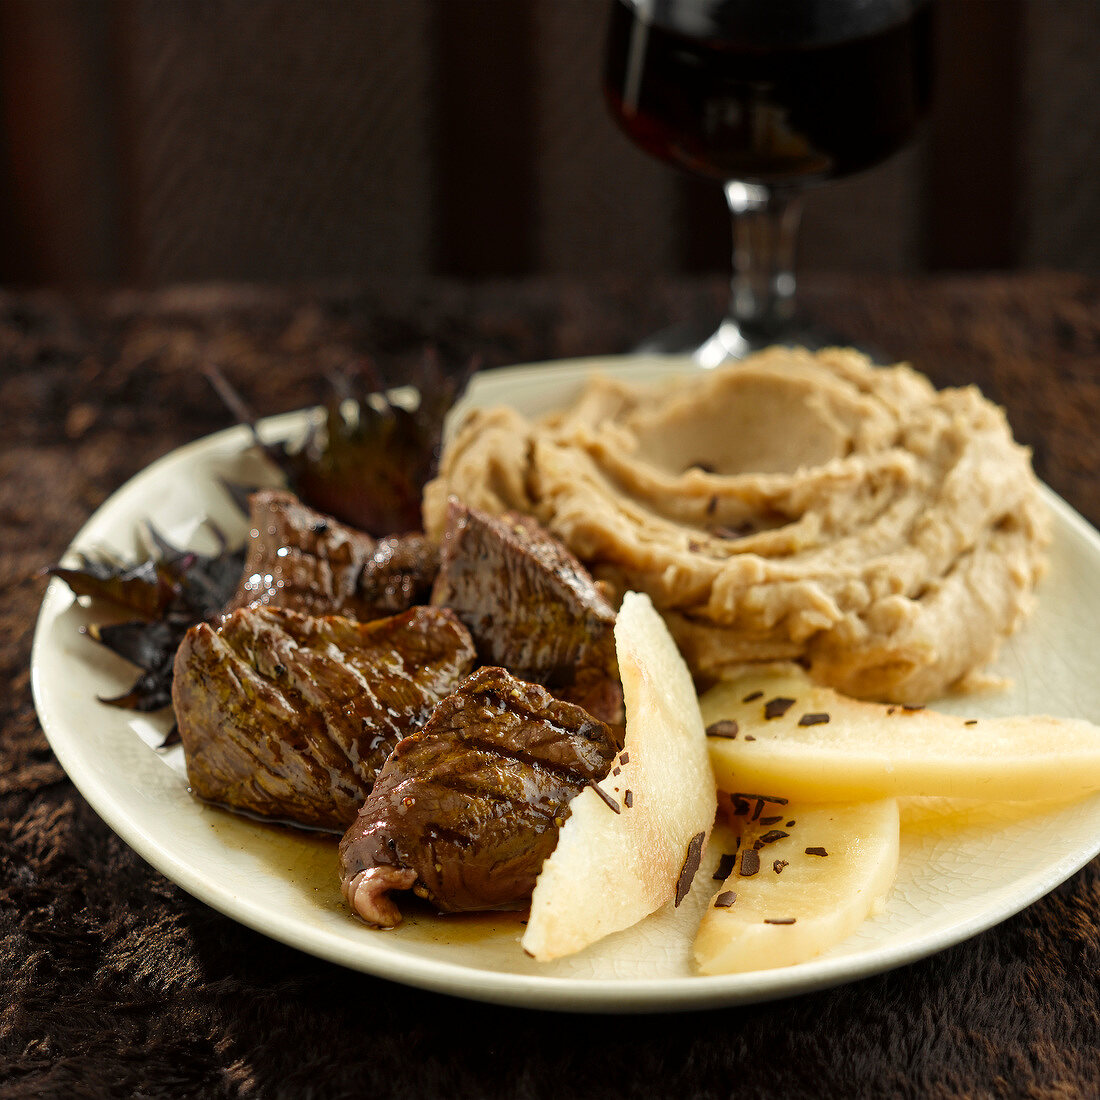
column 798, row 886
column 633, row 842
column 778, row 731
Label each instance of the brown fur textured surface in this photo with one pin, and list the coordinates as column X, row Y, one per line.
column 114, row 982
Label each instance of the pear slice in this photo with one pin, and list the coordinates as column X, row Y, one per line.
column 614, row 866
column 783, row 733
column 798, row 889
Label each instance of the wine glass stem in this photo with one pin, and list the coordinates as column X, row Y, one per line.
column 765, row 231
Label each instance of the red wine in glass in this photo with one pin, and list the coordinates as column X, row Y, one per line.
column 768, row 97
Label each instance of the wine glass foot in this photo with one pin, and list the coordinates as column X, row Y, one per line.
column 682, row 339
column 730, row 341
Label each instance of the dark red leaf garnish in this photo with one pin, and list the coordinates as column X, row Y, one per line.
column 369, row 462
column 141, row 588
column 143, row 644
column 170, row 591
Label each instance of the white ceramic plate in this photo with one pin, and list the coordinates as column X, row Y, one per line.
column 963, row 868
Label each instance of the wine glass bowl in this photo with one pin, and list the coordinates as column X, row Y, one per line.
column 767, row 97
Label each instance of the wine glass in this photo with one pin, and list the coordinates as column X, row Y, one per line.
column 767, row 97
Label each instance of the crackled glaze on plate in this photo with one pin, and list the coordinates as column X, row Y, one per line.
column 963, row 867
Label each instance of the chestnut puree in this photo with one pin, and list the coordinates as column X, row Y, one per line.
column 789, row 506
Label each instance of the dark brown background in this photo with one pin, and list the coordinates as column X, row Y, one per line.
column 151, row 141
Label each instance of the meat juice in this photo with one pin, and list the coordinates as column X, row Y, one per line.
column 769, row 91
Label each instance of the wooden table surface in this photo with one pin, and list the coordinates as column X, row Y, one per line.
column 114, row 982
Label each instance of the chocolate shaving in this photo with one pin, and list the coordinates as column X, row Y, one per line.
column 818, row 718
column 725, row 899
column 971, row 722
column 779, row 800
column 816, row 852
column 771, row 820
column 777, row 707
column 740, row 803
column 752, row 696
column 749, row 737
column 692, row 858
column 779, row 864
column 625, row 758
column 727, row 727
column 750, row 863
column 712, row 505
column 790, row 824
column 612, row 804
column 779, row 920
column 628, row 799
column 725, row 866
column 911, row 707
column 770, row 837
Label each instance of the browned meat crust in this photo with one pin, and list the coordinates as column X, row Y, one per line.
column 531, row 606
column 307, row 561
column 291, row 717
column 466, row 810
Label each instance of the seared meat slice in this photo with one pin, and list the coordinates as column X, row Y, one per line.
column 307, row 561
column 292, row 717
column 531, row 606
column 467, row 809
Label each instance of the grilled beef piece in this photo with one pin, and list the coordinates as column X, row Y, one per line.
column 291, row 717
column 531, row 607
column 467, row 809
column 307, row 561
